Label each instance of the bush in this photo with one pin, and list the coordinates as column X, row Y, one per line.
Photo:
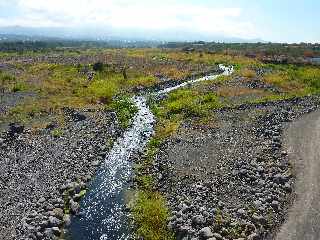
column 103, row 90
column 125, row 110
column 98, row 67
column 150, row 215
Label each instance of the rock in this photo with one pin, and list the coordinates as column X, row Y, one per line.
column 48, row 233
column 74, row 206
column 54, row 222
column 56, row 231
column 217, row 236
column 259, row 219
column 280, row 179
column 66, row 220
column 287, row 187
column 41, row 200
column 15, row 128
column 44, row 224
column 58, row 212
column 275, row 204
column 258, row 203
column 205, row 233
column 198, row 220
column 39, row 235
column 241, row 212
column 253, row 236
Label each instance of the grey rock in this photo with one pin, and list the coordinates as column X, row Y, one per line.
column 56, row 231
column 217, row 236
column 66, row 220
column 253, row 236
column 74, row 206
column 198, row 220
column 205, row 233
column 54, row 222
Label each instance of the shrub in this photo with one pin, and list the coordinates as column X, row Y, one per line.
column 125, row 110
column 103, row 90
column 150, row 215
column 98, row 67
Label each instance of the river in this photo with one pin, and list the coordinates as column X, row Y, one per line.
column 102, row 210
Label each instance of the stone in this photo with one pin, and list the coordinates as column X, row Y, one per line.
column 56, row 231
column 44, row 224
column 205, row 233
column 275, row 204
column 48, row 233
column 58, row 212
column 241, row 212
column 54, row 222
column 217, row 236
column 258, row 203
column 15, row 128
column 259, row 219
column 199, row 219
column 253, row 236
column 74, row 206
column 67, row 220
column 41, row 200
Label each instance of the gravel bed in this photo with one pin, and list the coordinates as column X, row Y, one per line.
column 234, row 180
column 43, row 174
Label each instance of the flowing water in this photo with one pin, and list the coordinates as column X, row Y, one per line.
column 103, row 213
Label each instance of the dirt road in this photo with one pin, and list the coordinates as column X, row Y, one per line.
column 303, row 143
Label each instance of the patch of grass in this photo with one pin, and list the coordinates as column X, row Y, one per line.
column 9, row 82
column 237, row 91
column 125, row 110
column 150, row 215
column 145, row 81
column 189, row 103
column 57, row 133
column 216, row 58
column 247, row 72
column 102, row 90
column 297, row 80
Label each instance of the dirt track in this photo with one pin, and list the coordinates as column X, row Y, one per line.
column 302, row 141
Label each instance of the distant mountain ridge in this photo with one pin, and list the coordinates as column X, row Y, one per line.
column 103, row 34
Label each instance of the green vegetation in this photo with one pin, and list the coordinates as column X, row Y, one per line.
column 125, row 109
column 57, row 133
column 150, row 215
column 299, row 80
column 187, row 103
column 150, row 211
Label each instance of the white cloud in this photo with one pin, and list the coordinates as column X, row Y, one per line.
column 133, row 14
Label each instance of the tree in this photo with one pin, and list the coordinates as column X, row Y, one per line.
column 98, row 67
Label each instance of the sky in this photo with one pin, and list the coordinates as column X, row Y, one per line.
column 268, row 20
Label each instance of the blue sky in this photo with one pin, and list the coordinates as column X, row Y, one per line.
column 270, row 20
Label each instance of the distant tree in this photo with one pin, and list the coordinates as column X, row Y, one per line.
column 98, row 67
column 124, row 72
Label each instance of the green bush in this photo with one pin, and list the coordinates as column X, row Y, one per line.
column 150, row 215
column 125, row 110
column 103, row 90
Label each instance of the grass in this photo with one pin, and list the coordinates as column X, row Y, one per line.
column 298, row 80
column 57, row 133
column 58, row 86
column 212, row 58
column 125, row 110
column 188, row 103
column 150, row 215
column 247, row 72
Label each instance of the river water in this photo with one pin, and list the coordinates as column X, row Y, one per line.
column 102, row 210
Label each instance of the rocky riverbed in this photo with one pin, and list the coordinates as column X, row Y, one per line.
column 232, row 180
column 44, row 174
